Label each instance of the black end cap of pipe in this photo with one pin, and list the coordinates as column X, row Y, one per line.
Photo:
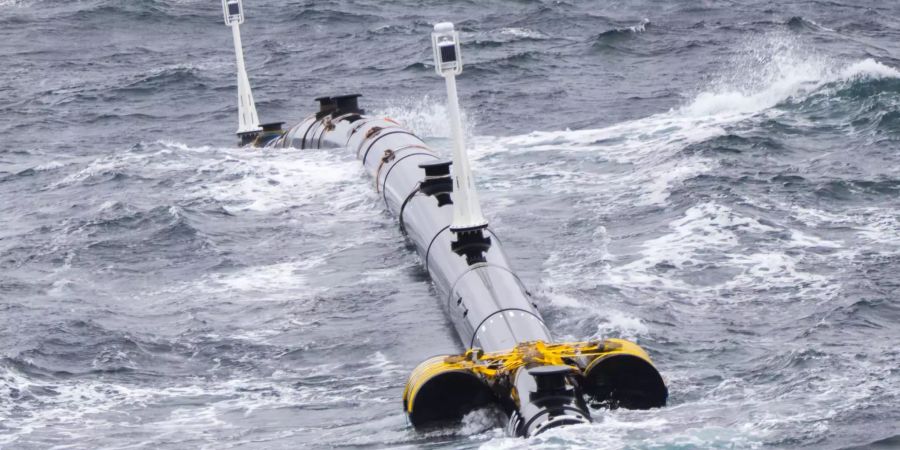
column 625, row 381
column 447, row 397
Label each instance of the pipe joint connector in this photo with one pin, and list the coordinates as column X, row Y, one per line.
column 471, row 243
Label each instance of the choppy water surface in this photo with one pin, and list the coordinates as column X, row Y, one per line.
column 717, row 181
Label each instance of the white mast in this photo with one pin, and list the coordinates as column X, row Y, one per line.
column 448, row 63
column 248, row 121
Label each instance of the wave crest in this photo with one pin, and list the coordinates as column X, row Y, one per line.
column 775, row 69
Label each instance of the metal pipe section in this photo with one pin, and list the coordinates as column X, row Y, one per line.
column 487, row 303
column 511, row 360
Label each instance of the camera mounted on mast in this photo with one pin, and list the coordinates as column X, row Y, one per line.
column 234, row 12
column 445, row 44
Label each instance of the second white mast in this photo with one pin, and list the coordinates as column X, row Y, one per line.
column 248, row 120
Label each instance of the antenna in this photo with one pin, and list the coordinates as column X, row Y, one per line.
column 468, row 221
column 248, row 121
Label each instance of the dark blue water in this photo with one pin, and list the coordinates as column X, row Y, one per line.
column 719, row 181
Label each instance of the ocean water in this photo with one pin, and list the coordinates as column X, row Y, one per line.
column 716, row 180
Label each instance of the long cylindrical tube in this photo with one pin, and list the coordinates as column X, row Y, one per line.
column 487, row 303
column 510, row 357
